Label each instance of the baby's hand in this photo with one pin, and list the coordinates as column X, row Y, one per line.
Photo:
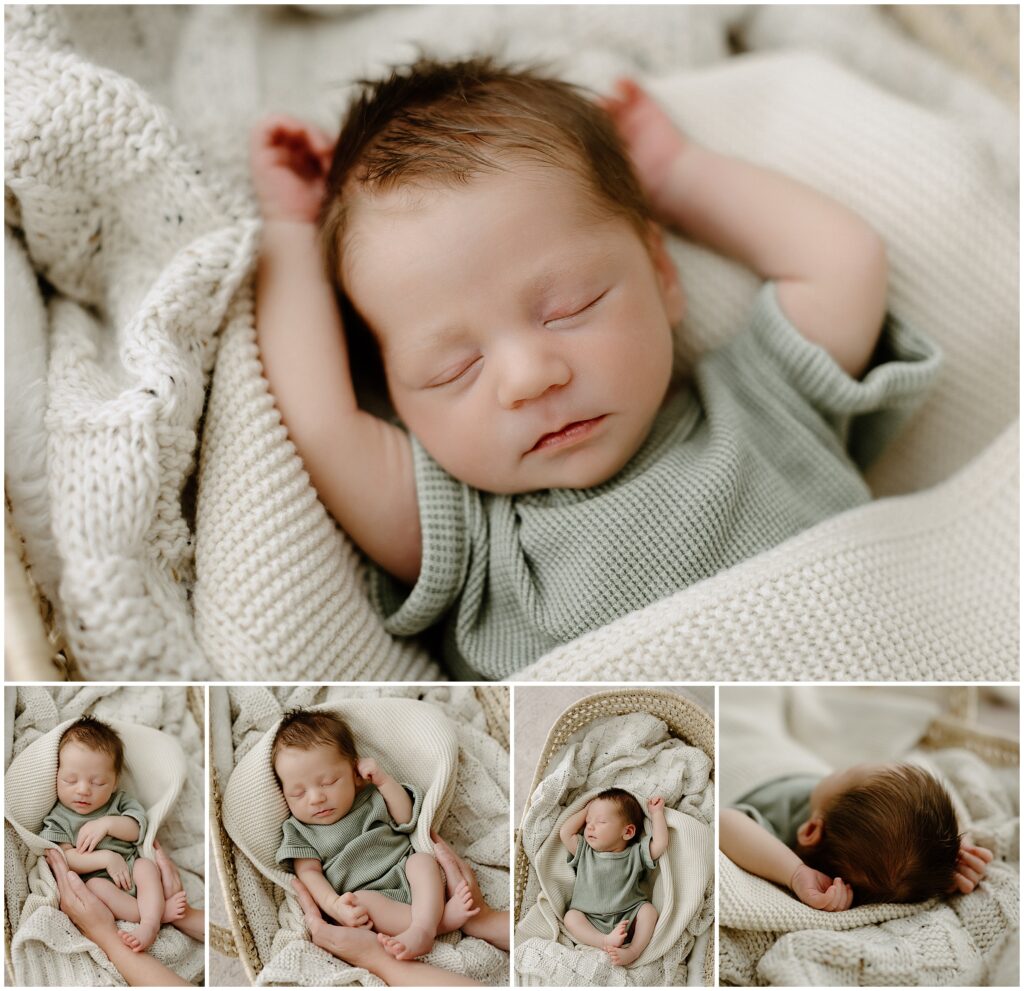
column 349, row 912
column 820, row 891
column 651, row 138
column 971, row 864
column 656, row 804
column 117, row 868
column 289, row 161
column 90, row 834
column 369, row 770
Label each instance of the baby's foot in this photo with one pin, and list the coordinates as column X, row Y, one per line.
column 458, row 910
column 617, row 936
column 174, row 907
column 621, row 956
column 408, row 945
column 142, row 938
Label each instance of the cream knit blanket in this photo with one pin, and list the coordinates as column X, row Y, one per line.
column 164, row 757
column 769, row 937
column 634, row 752
column 439, row 743
column 278, row 589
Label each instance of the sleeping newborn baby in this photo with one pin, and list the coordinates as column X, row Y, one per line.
column 348, row 838
column 869, row 833
column 99, row 828
column 611, row 904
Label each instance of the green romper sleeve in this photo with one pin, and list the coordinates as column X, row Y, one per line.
column 124, row 805
column 294, row 845
column 865, row 413
column 56, row 827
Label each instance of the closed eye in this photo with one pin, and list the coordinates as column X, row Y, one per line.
column 555, row 322
column 448, row 378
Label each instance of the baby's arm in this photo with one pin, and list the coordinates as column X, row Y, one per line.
column 828, row 264
column 361, row 466
column 120, row 827
column 569, row 833
column 753, row 848
column 396, row 798
column 341, row 908
column 99, row 860
column 659, row 827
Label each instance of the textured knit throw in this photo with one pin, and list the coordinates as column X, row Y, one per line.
column 634, row 752
column 164, row 759
column 125, row 165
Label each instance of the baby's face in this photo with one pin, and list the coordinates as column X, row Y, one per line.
column 606, row 828
column 526, row 338
column 839, row 782
column 85, row 778
column 319, row 785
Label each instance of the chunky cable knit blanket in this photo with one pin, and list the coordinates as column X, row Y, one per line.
column 435, row 738
column 770, row 938
column 164, row 755
column 634, row 752
column 127, row 184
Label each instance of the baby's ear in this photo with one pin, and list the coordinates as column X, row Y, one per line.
column 629, row 832
column 668, row 278
column 811, row 832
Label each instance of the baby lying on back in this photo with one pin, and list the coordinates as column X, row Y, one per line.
column 496, row 237
column 348, row 838
column 99, row 829
column 870, row 833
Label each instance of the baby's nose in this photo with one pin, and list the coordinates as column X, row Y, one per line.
column 529, row 373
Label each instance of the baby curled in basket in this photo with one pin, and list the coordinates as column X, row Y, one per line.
column 611, row 906
column 99, row 829
column 348, row 839
column 869, row 833
column 497, row 233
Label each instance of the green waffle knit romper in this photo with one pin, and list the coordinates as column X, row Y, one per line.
column 610, row 887
column 365, row 850
column 781, row 806
column 62, row 824
column 769, row 438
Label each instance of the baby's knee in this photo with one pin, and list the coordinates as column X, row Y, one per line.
column 647, row 911
column 145, row 868
column 573, row 917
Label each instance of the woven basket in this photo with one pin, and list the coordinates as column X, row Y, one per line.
column 685, row 720
column 237, row 940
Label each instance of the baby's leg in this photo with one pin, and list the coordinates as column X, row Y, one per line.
column 427, row 906
column 583, row 930
column 150, row 893
column 123, row 905
column 646, row 920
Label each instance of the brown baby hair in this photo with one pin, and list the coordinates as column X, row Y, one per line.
column 894, row 837
column 629, row 808
column 304, row 729
column 449, row 121
column 95, row 735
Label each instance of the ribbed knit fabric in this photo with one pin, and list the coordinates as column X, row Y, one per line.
column 365, row 850
column 634, row 752
column 755, row 453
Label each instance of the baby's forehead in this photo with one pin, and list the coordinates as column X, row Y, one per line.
column 76, row 751
column 299, row 759
column 605, row 806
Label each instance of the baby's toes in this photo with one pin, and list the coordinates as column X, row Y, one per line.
column 129, row 940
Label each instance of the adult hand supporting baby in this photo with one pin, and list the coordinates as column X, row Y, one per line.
column 359, row 948
column 96, row 922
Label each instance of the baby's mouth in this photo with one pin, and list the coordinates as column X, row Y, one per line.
column 322, row 812
column 571, row 433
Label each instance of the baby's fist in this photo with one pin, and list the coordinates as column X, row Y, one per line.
column 369, row 770
column 656, row 804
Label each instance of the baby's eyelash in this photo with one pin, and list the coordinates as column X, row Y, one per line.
column 458, row 375
column 576, row 313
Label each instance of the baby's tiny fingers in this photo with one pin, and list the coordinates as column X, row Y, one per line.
column 972, row 860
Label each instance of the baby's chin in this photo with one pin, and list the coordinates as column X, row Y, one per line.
column 328, row 820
